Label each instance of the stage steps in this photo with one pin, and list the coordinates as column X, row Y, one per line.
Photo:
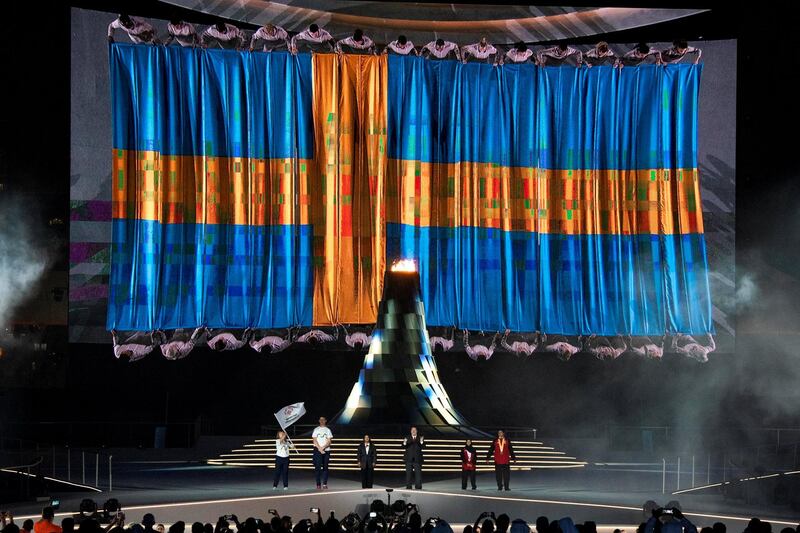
column 441, row 455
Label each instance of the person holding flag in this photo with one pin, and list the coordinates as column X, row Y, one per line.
column 282, row 446
column 286, row 417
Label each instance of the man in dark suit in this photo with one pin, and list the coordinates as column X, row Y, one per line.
column 367, row 457
column 413, row 444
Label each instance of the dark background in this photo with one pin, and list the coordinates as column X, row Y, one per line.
column 756, row 386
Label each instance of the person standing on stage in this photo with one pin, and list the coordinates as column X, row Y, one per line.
column 282, row 445
column 322, row 437
column 503, row 455
column 367, row 457
column 469, row 464
column 413, row 444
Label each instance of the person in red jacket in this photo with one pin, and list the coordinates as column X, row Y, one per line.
column 503, row 455
column 469, row 463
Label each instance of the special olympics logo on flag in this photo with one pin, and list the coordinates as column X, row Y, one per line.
column 290, row 414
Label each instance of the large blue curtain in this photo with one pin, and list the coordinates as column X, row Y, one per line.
column 554, row 199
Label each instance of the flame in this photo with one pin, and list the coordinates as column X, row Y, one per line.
column 404, row 265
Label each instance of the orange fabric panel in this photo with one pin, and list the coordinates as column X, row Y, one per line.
column 348, row 212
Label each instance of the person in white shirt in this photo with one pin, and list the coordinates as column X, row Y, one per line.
column 182, row 32
column 562, row 347
column 646, row 347
column 130, row 350
column 482, row 50
column 282, row 447
column 442, row 343
column 560, row 52
column 520, row 54
column 225, row 341
column 314, row 35
column 479, row 351
column 639, row 55
column 316, row 336
column 604, row 348
column 600, row 54
column 358, row 42
column 519, row 347
column 688, row 346
column 272, row 36
column 273, row 343
column 401, row 46
column 224, row 35
column 440, row 49
column 178, row 347
column 358, row 340
column 678, row 51
column 321, row 437
column 137, row 29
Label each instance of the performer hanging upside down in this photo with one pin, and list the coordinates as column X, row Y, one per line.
column 182, row 32
column 357, row 340
column 645, row 347
column 177, row 348
column 223, row 35
column 440, row 49
column 479, row 351
column 678, row 51
column 316, row 336
column 401, row 46
column 520, row 54
column 226, row 341
column 273, row 343
column 482, row 50
column 688, row 346
column 604, row 348
column 443, row 343
column 639, row 55
column 600, row 54
column 519, row 347
column 132, row 351
column 314, row 35
column 560, row 346
column 560, row 52
column 138, row 30
column 358, row 42
column 272, row 36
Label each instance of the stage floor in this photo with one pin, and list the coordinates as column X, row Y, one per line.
column 196, row 492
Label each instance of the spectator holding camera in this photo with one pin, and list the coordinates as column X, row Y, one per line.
column 669, row 520
column 46, row 525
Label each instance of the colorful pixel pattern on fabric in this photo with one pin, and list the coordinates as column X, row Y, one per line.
column 266, row 190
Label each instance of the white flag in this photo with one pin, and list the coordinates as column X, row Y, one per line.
column 290, row 414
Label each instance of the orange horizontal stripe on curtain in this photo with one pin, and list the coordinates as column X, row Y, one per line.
column 175, row 189
column 347, row 195
column 569, row 202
